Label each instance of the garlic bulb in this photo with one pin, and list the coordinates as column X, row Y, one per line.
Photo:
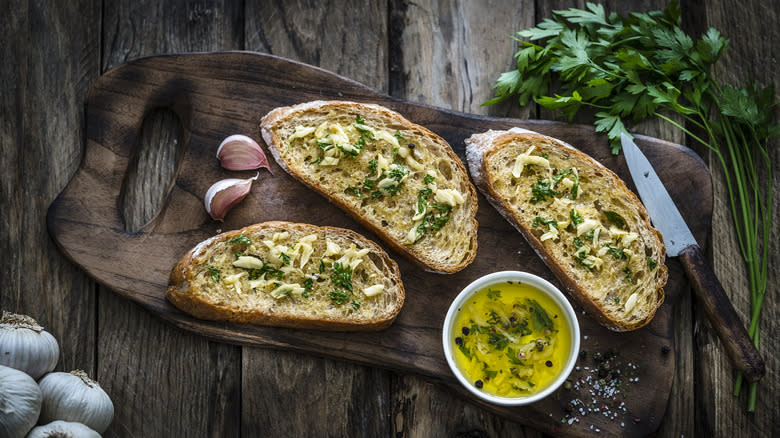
column 20, row 402
column 75, row 397
column 225, row 194
column 63, row 429
column 24, row 345
column 239, row 152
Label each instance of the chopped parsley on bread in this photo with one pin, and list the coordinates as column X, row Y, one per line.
column 289, row 275
column 590, row 230
column 397, row 178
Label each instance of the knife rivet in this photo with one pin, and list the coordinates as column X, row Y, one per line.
column 646, row 174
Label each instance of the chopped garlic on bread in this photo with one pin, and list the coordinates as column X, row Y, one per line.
column 397, row 178
column 291, row 275
column 590, row 230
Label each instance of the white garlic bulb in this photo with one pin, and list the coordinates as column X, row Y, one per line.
column 63, row 429
column 26, row 346
column 20, row 402
column 74, row 396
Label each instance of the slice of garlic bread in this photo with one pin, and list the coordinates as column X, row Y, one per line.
column 398, row 179
column 590, row 230
column 289, row 275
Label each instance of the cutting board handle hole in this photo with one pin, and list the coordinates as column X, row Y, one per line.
column 152, row 170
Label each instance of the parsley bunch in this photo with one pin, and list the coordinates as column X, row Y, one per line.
column 644, row 65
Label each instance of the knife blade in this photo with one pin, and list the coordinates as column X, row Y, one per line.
column 680, row 242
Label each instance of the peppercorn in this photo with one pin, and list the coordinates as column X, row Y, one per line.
column 478, row 384
column 548, row 363
column 465, row 331
column 411, row 146
column 459, row 340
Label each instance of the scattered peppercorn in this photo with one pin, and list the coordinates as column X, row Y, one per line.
column 411, row 146
column 548, row 363
column 583, row 354
column 478, row 384
column 459, row 340
column 465, row 331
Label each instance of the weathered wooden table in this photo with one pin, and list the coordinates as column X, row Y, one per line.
column 166, row 382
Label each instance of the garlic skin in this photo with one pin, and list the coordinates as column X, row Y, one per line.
column 75, row 397
column 63, row 429
column 225, row 194
column 20, row 402
column 26, row 346
column 239, row 152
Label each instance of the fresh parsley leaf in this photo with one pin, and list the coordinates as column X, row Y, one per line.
column 538, row 220
column 308, row 284
column 372, row 166
column 575, row 217
column 339, row 296
column 284, row 258
column 214, row 273
column 541, row 320
column 241, row 239
column 615, row 219
column 342, row 276
column 356, row 304
column 542, row 190
column 353, row 191
column 428, row 178
column 651, row 263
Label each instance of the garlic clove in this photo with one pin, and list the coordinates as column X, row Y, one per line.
column 239, row 152
column 26, row 346
column 225, row 194
column 63, row 429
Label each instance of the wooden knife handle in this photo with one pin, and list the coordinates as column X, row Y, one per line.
column 722, row 316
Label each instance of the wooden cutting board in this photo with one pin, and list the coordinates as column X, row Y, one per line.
column 218, row 94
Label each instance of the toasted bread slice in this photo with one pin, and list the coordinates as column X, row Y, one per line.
column 590, row 230
column 289, row 275
column 398, row 179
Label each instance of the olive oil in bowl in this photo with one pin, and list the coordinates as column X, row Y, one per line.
column 511, row 338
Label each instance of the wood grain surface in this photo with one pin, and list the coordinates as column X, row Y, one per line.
column 56, row 49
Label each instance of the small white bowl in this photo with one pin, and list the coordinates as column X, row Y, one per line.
column 540, row 284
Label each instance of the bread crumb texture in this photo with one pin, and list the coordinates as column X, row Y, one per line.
column 588, row 226
column 286, row 274
column 400, row 178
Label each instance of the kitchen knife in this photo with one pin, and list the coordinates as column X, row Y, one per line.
column 680, row 242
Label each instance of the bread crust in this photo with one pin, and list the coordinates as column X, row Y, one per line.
column 480, row 146
column 181, row 292
column 421, row 258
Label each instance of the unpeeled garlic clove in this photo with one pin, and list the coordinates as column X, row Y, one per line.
column 239, row 152
column 225, row 194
